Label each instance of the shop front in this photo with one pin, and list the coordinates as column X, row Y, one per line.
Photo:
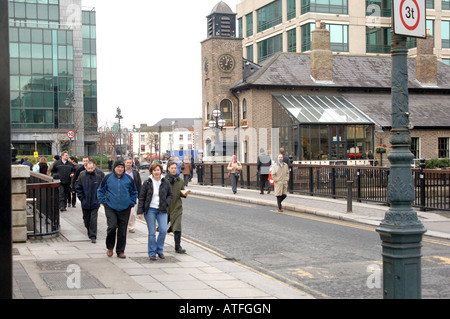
column 322, row 129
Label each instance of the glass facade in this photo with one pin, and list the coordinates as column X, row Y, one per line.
column 321, row 127
column 338, row 36
column 270, row 15
column 325, row 6
column 42, row 64
column 269, row 47
column 90, row 71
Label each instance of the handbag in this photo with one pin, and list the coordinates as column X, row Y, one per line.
column 271, row 182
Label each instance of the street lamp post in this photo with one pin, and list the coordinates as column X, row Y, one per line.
column 401, row 231
column 70, row 101
column 217, row 123
column 119, row 117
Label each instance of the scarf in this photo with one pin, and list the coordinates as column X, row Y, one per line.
column 172, row 178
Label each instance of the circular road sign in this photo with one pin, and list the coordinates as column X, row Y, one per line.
column 71, row 134
column 410, row 18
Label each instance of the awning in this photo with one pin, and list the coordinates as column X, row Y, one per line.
column 321, row 109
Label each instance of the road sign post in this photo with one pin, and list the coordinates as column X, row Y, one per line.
column 401, row 231
column 71, row 136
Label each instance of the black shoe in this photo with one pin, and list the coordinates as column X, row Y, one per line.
column 74, row 206
column 152, row 258
column 63, row 209
column 161, row 256
column 262, row 193
column 180, row 250
column 93, row 240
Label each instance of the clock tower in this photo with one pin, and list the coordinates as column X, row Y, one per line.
column 221, row 65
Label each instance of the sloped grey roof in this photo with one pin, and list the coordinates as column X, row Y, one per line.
column 293, row 70
column 180, row 122
column 426, row 110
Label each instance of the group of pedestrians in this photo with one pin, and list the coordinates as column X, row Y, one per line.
column 277, row 170
column 124, row 197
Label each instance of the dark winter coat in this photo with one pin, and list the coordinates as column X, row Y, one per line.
column 86, row 188
column 63, row 171
column 118, row 193
column 145, row 198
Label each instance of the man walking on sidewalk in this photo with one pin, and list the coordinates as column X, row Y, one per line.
column 264, row 163
column 88, row 182
column 64, row 170
column 118, row 194
column 280, row 174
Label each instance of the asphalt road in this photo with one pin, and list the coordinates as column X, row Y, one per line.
column 324, row 257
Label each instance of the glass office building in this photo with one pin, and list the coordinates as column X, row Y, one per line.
column 53, row 76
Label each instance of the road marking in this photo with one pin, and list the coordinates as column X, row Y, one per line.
column 223, row 201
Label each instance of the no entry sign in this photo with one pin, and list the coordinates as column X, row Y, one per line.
column 410, row 18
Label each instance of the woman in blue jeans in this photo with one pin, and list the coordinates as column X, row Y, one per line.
column 154, row 200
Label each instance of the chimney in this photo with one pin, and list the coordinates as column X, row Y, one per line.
column 426, row 61
column 321, row 55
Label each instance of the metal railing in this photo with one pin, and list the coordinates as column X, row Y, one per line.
column 43, row 217
column 368, row 183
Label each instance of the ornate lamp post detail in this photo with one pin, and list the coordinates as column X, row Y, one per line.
column 70, row 102
column 119, row 117
column 217, row 123
column 401, row 231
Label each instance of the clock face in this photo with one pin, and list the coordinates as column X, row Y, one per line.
column 226, row 63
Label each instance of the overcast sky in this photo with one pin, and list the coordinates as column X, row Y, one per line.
column 149, row 58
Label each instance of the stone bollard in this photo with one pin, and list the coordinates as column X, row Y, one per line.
column 19, row 175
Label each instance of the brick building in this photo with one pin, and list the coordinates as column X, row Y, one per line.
column 318, row 105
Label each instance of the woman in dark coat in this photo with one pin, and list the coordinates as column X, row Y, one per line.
column 154, row 201
column 43, row 166
column 176, row 206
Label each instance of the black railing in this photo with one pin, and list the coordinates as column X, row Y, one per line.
column 42, row 206
column 369, row 183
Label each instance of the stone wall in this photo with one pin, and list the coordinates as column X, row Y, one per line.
column 19, row 175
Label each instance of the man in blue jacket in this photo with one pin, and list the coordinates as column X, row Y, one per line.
column 88, row 182
column 118, row 194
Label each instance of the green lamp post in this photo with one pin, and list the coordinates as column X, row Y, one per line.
column 401, row 231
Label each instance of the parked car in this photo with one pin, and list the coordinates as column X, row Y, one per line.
column 145, row 165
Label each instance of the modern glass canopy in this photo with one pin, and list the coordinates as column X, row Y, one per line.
column 321, row 109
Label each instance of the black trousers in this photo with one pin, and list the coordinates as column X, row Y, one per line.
column 117, row 223
column 263, row 180
column 280, row 199
column 90, row 221
column 64, row 192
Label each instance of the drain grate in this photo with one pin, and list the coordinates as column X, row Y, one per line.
column 55, row 265
column 61, row 281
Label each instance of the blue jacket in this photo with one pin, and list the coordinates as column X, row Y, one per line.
column 117, row 193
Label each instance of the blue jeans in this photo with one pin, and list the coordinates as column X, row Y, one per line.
column 155, row 246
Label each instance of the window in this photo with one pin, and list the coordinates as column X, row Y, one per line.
column 415, row 147
column 446, row 61
column 446, row 34
column 378, row 40
column 292, row 40
column 250, row 53
column 269, row 47
column 430, row 4
column 291, row 9
column 325, row 6
column 269, row 15
column 445, row 4
column 226, row 107
column 244, row 109
column 379, row 8
column 240, row 28
column 249, row 28
column 338, row 37
column 443, row 147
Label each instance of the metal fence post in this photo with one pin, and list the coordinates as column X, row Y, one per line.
column 349, row 196
column 422, row 185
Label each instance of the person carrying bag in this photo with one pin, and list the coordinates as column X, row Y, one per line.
column 234, row 170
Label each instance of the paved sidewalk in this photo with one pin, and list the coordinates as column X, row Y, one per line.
column 50, row 269
column 436, row 223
